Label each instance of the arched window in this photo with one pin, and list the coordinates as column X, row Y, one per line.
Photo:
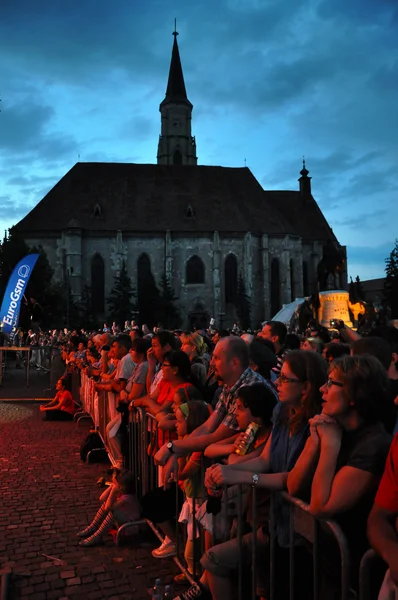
column 305, row 278
column 292, row 287
column 143, row 271
column 195, row 270
column 230, row 278
column 177, row 158
column 275, row 287
column 97, row 284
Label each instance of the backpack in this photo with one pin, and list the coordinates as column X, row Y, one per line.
column 90, row 443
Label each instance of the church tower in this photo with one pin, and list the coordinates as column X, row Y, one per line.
column 176, row 146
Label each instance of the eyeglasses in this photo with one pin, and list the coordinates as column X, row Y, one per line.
column 283, row 379
column 331, row 382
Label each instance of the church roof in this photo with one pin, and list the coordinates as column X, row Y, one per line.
column 175, row 91
column 153, row 198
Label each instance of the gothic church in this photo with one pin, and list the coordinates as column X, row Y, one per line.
column 204, row 227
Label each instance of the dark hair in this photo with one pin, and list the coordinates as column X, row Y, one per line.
column 375, row 346
column 237, row 348
column 178, row 358
column 127, row 482
column 279, row 329
column 261, row 356
column 308, row 367
column 365, row 384
column 141, row 345
column 67, row 381
column 188, row 392
column 335, row 350
column 94, row 352
column 166, row 337
column 292, row 341
column 388, row 333
column 198, row 413
column 124, row 340
column 260, row 400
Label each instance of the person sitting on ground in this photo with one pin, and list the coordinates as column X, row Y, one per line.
column 62, row 407
column 301, row 376
column 343, row 460
column 119, row 505
column 231, row 364
column 382, row 523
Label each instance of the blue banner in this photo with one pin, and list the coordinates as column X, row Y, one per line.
column 9, row 312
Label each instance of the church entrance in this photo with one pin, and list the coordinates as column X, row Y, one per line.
column 199, row 318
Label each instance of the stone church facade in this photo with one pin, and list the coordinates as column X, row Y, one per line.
column 203, row 227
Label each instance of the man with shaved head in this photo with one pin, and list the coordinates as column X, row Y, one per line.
column 230, row 361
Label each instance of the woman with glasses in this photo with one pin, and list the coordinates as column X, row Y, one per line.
column 302, row 374
column 343, row 459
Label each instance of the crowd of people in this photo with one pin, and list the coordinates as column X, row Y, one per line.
column 312, row 415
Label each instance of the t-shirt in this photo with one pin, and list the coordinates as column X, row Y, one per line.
column 156, row 380
column 68, row 404
column 365, row 448
column 138, row 376
column 226, row 405
column 125, row 367
column 387, row 494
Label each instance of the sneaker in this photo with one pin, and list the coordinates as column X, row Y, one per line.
column 168, row 548
column 194, row 592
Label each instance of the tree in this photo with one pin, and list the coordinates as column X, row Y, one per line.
column 391, row 281
column 120, row 299
column 243, row 305
column 148, row 300
column 87, row 318
column 169, row 314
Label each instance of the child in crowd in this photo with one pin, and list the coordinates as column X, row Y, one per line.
column 119, row 506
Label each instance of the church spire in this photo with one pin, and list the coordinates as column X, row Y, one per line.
column 176, row 146
column 175, row 91
column 305, row 181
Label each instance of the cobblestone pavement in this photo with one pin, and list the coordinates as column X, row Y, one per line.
column 46, row 495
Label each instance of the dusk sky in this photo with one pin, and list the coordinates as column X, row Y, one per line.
column 270, row 81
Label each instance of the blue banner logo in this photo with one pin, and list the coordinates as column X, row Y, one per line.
column 9, row 312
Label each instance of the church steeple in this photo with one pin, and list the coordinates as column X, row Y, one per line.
column 176, row 144
column 305, row 181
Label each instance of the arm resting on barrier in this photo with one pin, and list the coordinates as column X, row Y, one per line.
column 383, row 537
column 300, row 477
column 220, row 475
column 222, row 448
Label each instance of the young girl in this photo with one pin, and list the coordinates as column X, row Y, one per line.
column 160, row 506
column 119, row 506
column 62, row 407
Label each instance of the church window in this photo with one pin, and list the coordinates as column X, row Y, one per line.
column 177, row 158
column 97, row 211
column 275, row 287
column 195, row 270
column 305, row 278
column 189, row 212
column 292, row 286
column 97, row 284
column 231, row 278
column 143, row 269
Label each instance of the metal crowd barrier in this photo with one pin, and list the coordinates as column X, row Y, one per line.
column 313, row 533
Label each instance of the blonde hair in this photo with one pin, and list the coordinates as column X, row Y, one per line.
column 194, row 339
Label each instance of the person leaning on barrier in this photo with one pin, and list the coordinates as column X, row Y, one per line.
column 343, row 459
column 162, row 342
column 136, row 385
column 382, row 523
column 276, row 332
column 231, row 364
column 121, row 351
column 301, row 376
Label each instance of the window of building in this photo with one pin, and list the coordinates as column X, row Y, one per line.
column 189, row 212
column 275, row 287
column 97, row 284
column 230, row 278
column 177, row 158
column 305, row 278
column 292, row 286
column 97, row 211
column 195, row 270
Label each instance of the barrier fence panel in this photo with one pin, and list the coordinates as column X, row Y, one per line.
column 145, row 437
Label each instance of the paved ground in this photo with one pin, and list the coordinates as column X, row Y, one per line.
column 46, row 495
